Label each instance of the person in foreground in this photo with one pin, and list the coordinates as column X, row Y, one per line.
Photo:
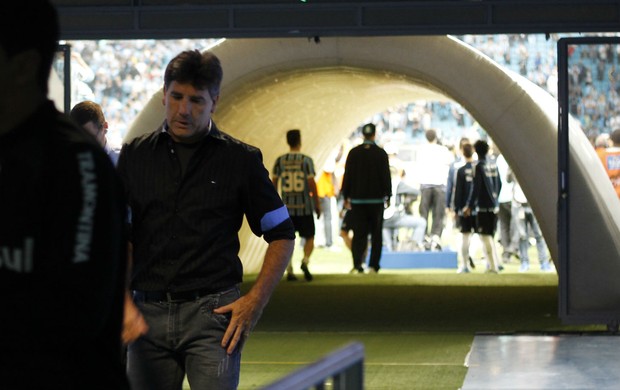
column 189, row 186
column 62, row 237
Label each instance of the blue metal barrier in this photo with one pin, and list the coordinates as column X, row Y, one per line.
column 343, row 369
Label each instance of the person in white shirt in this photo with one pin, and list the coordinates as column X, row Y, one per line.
column 434, row 160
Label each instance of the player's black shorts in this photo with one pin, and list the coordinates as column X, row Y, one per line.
column 466, row 224
column 486, row 222
column 304, row 225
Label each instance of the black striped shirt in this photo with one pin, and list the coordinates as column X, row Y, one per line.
column 185, row 223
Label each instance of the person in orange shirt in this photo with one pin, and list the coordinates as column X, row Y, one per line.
column 611, row 160
column 326, row 187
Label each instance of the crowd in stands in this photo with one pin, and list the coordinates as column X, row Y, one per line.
column 122, row 75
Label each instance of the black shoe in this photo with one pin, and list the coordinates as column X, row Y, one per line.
column 471, row 262
column 291, row 277
column 307, row 274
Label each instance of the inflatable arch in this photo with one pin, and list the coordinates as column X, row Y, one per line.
column 328, row 88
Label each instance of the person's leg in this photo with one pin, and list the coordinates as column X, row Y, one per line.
column 346, row 238
column 388, row 238
column 359, row 243
column 486, row 223
column 541, row 245
column 152, row 363
column 326, row 215
column 375, row 215
column 465, row 240
column 504, row 220
column 208, row 365
column 523, row 237
column 426, row 196
column 307, row 231
column 490, row 251
column 439, row 213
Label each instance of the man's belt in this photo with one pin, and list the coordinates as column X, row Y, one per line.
column 173, row 296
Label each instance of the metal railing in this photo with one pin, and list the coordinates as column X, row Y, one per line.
column 342, row 369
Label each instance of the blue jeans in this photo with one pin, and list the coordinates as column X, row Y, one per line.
column 184, row 338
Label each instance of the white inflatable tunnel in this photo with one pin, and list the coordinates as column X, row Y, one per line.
column 327, row 89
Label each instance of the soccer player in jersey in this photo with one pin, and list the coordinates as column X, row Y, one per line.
column 294, row 171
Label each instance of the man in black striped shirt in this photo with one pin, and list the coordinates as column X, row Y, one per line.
column 189, row 186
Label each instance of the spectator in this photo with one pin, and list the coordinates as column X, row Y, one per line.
column 89, row 115
column 508, row 232
column 611, row 160
column 436, row 160
column 326, row 188
column 526, row 226
column 399, row 215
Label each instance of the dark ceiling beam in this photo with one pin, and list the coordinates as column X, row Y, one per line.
column 160, row 19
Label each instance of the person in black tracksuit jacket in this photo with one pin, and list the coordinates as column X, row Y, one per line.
column 366, row 189
column 487, row 185
column 463, row 196
column 63, row 241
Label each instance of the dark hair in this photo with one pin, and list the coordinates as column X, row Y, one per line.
column 30, row 25
column 467, row 149
column 368, row 130
column 482, row 148
column 615, row 137
column 201, row 70
column 431, row 135
column 293, row 138
column 87, row 111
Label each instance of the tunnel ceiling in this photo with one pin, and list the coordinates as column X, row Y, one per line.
column 326, row 103
column 132, row 19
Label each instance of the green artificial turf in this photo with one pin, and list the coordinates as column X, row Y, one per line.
column 417, row 326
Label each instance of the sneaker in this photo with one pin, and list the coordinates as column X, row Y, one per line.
column 291, row 277
column 307, row 274
column 492, row 271
column 371, row 270
column 463, row 270
column 355, row 271
column 525, row 266
column 545, row 266
column 471, row 263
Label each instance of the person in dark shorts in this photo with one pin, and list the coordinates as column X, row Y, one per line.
column 487, row 185
column 463, row 195
column 294, row 172
column 63, row 245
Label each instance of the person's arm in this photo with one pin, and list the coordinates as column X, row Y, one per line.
column 134, row 324
column 315, row 196
column 247, row 310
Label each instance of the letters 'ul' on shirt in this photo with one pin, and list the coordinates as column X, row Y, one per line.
column 62, row 258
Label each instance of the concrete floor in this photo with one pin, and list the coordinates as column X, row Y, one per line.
column 562, row 361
